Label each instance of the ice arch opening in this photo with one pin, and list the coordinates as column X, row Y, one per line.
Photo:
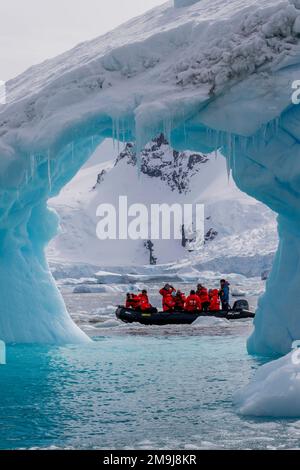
column 264, row 164
column 205, row 79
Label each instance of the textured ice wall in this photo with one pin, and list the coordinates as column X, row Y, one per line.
column 32, row 309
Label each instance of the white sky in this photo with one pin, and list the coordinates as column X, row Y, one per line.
column 34, row 30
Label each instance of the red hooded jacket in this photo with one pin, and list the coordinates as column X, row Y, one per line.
column 192, row 303
column 144, row 303
column 214, row 300
column 168, row 302
column 180, row 300
column 203, row 295
column 133, row 302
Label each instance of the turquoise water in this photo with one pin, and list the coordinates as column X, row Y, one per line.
column 133, row 391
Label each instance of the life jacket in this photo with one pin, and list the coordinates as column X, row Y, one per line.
column 214, row 300
column 144, row 303
column 180, row 301
column 192, row 303
column 203, row 295
column 168, row 302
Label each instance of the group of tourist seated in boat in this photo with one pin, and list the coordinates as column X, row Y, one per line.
column 173, row 300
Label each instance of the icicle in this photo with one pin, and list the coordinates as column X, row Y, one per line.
column 167, row 126
column 123, row 131
column 49, row 172
column 113, row 132
column 184, row 127
column 32, row 165
column 2, row 353
column 228, row 159
column 265, row 130
column 245, row 141
column 216, row 145
column 118, row 135
column 233, row 154
column 208, row 136
column 277, row 124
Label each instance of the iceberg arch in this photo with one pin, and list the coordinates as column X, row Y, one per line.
column 209, row 77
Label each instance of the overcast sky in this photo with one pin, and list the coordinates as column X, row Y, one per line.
column 34, row 30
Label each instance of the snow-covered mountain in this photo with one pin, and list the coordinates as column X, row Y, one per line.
column 240, row 233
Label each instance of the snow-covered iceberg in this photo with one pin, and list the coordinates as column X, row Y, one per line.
column 213, row 75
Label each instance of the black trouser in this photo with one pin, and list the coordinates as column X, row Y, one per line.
column 205, row 306
column 225, row 306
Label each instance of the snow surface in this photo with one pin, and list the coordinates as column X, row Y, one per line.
column 213, row 75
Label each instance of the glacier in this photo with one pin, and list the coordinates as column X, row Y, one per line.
column 211, row 75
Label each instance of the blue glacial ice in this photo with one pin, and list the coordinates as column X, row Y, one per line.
column 214, row 75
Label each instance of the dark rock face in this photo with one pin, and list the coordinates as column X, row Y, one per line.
column 210, row 235
column 100, row 178
column 176, row 169
column 159, row 160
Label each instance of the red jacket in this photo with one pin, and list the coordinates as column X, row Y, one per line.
column 144, row 303
column 180, row 301
column 168, row 302
column 133, row 302
column 192, row 303
column 214, row 300
column 203, row 295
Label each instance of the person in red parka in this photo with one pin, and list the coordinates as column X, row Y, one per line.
column 192, row 303
column 202, row 293
column 144, row 303
column 168, row 301
column 179, row 300
column 214, row 300
column 132, row 300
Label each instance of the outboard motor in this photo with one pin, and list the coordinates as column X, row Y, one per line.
column 241, row 304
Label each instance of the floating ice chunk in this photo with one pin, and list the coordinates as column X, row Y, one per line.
column 207, row 322
column 236, row 292
column 274, row 391
column 99, row 289
column 105, row 277
column 110, row 324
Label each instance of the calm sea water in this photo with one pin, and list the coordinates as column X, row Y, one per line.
column 134, row 387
